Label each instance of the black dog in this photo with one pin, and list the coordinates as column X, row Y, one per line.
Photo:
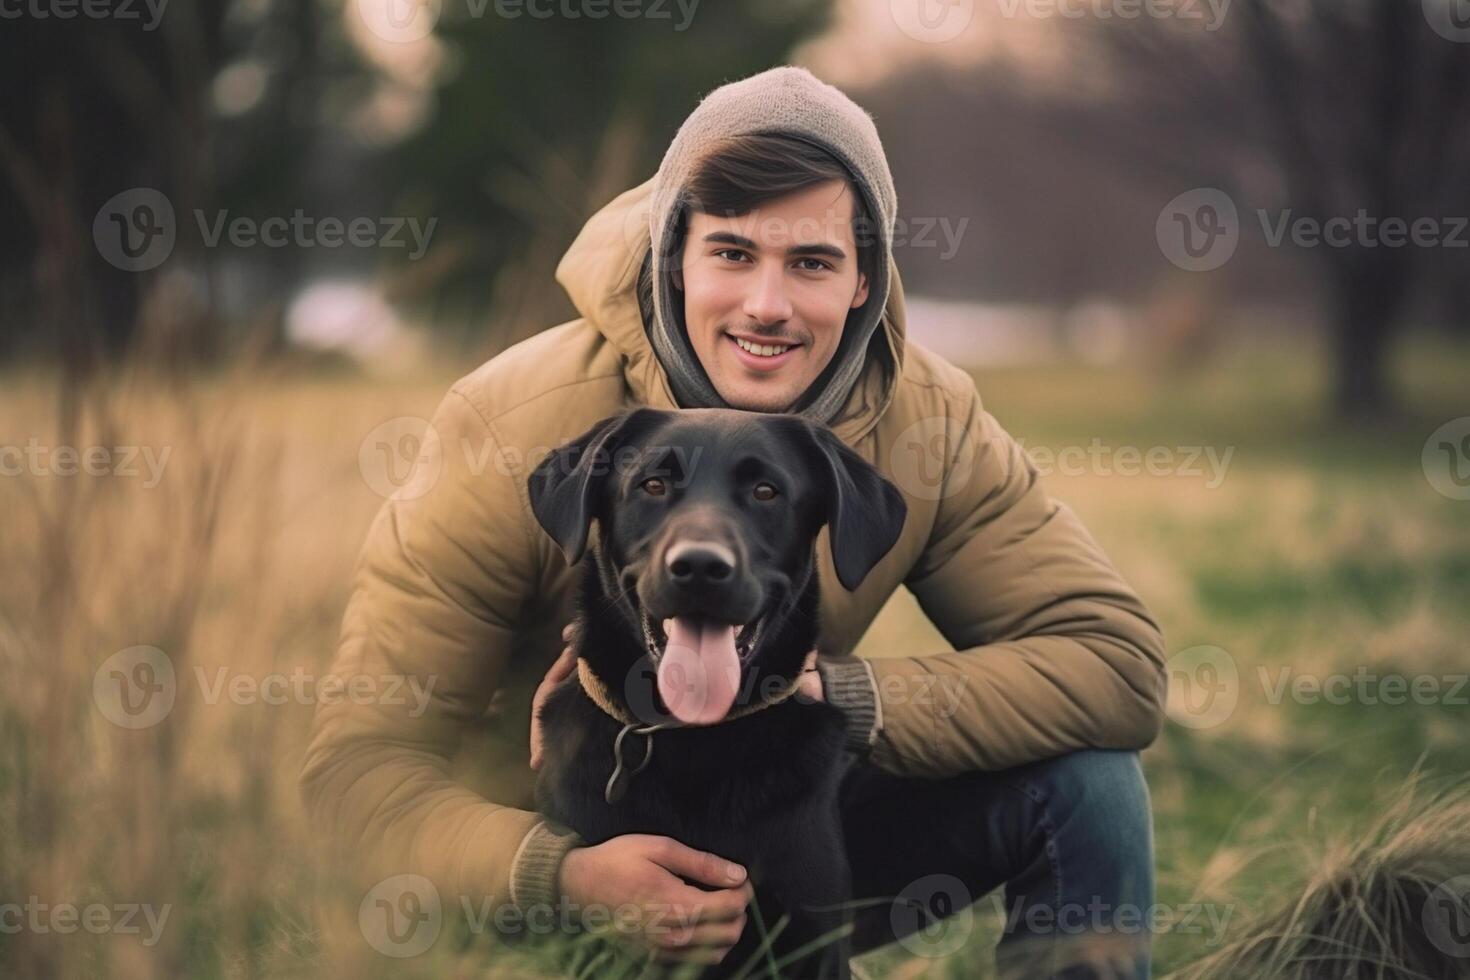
column 698, row 606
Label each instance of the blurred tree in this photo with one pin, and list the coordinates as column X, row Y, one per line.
column 215, row 104
column 507, row 126
column 1351, row 106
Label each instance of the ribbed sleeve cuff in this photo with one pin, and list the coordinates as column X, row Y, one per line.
column 537, row 863
column 848, row 683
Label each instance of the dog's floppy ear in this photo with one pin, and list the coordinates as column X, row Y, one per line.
column 865, row 512
column 566, row 485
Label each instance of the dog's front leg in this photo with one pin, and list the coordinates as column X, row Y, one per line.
column 811, row 882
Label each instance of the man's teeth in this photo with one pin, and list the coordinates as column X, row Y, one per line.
column 763, row 350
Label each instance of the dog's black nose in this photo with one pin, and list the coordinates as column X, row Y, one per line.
column 694, row 563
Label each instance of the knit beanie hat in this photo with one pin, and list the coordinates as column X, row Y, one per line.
column 792, row 101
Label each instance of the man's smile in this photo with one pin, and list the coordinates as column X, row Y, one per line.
column 763, row 354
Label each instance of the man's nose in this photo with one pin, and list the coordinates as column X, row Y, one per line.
column 697, row 564
column 767, row 302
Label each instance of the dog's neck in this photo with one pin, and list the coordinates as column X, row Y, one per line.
column 602, row 697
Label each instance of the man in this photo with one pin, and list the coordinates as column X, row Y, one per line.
column 754, row 271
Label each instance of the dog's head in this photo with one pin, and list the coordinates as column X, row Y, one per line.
column 707, row 520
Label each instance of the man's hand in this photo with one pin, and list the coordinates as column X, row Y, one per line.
column 674, row 920
column 809, row 682
column 560, row 671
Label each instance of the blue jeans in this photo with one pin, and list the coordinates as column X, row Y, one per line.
column 1070, row 838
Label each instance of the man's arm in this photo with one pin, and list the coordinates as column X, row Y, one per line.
column 1054, row 651
column 437, row 592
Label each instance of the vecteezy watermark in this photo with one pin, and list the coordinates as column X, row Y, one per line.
column 128, row 462
column 1200, row 230
column 1446, row 916
column 137, row 688
column 403, row 21
column 1363, row 230
column 403, row 915
column 1096, row 459
column 932, row 21
column 1446, row 459
column 933, row 916
column 1098, row 917
column 300, row 687
column 1205, row 687
column 1365, row 687
column 123, row 10
column 136, row 230
column 933, row 458
column 1212, row 12
column 98, row 918
column 940, row 694
column 1450, row 19
column 403, row 458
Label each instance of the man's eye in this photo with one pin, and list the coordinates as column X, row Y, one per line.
column 764, row 491
column 820, row 265
column 728, row 252
column 654, row 486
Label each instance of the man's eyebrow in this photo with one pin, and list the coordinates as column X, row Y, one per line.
column 815, row 248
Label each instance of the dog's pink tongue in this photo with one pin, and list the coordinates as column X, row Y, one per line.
column 699, row 672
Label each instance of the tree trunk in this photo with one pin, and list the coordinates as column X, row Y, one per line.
column 1369, row 295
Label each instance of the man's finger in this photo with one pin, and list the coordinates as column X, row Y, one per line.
column 703, row 867
column 565, row 664
column 692, row 906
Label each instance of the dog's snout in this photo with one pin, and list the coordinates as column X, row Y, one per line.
column 700, row 563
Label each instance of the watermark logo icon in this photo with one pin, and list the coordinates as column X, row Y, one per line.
column 135, row 688
column 135, row 230
column 401, row 458
column 1446, row 916
column 932, row 21
column 1204, row 686
column 1199, row 230
column 401, row 916
column 400, row 21
column 1450, row 19
column 1446, row 459
column 920, row 457
column 933, row 916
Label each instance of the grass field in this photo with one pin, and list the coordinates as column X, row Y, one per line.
column 1305, row 550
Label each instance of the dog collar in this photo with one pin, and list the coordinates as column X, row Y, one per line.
column 598, row 692
column 622, row 775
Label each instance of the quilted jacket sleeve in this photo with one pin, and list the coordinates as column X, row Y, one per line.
column 1054, row 652
column 437, row 591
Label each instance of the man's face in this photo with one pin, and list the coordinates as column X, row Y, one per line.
column 781, row 278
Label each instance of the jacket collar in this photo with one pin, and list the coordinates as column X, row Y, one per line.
column 600, row 274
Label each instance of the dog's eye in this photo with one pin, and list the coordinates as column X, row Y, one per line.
column 764, row 491
column 653, row 486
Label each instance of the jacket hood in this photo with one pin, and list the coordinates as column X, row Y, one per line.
column 791, row 102
column 599, row 272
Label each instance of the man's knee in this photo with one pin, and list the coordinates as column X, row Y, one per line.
column 1097, row 799
column 1105, row 783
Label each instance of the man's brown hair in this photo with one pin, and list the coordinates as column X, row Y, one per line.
column 741, row 173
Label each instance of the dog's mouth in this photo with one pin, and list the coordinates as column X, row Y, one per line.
column 656, row 637
column 699, row 662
